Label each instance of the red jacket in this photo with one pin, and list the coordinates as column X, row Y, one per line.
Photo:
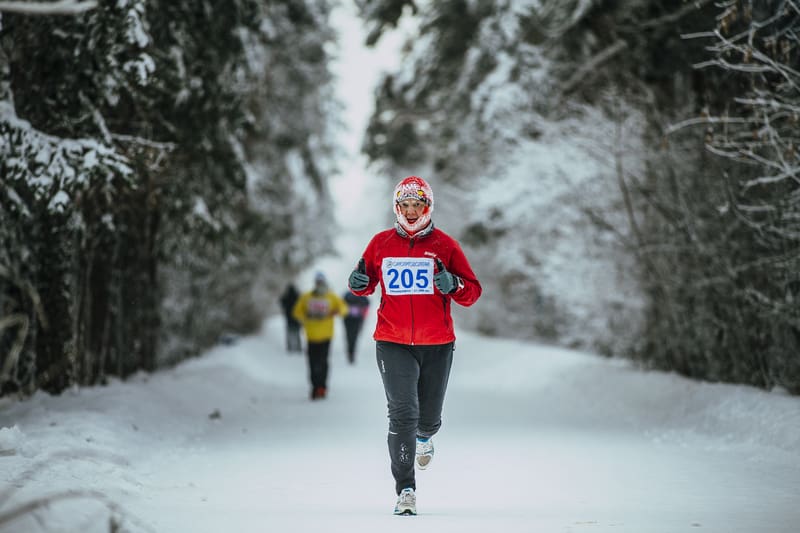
column 412, row 310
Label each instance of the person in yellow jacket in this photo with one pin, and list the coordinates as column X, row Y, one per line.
column 315, row 310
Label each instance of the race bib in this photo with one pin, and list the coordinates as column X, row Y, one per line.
column 318, row 308
column 407, row 275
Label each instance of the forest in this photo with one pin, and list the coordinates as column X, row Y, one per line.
column 164, row 166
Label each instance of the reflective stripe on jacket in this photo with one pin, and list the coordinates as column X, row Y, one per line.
column 418, row 318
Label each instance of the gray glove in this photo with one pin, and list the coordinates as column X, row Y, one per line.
column 444, row 280
column 358, row 278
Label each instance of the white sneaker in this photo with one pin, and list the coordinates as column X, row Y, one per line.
column 406, row 502
column 424, row 453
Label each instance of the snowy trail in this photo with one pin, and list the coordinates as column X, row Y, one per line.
column 534, row 439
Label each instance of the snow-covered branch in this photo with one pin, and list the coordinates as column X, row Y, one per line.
column 60, row 7
column 163, row 146
column 751, row 53
column 672, row 128
column 768, row 180
column 765, row 131
column 771, row 103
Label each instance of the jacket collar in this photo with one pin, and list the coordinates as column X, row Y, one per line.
column 427, row 230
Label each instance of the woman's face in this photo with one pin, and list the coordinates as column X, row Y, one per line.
column 412, row 209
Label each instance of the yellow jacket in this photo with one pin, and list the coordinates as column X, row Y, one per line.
column 316, row 312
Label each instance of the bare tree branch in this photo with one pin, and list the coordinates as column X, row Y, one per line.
column 590, row 66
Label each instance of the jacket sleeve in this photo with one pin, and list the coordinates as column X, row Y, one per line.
column 458, row 265
column 373, row 268
column 299, row 309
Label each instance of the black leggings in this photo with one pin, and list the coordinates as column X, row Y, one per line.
column 415, row 380
column 352, row 327
column 318, row 363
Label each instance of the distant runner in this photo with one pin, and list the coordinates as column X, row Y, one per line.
column 315, row 310
column 357, row 308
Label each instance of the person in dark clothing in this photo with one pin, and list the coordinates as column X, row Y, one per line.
column 357, row 307
column 288, row 299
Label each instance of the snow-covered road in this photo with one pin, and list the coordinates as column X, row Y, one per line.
column 534, row 439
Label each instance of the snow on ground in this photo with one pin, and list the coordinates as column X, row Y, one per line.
column 534, row 438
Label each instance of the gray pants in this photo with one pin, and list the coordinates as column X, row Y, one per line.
column 415, row 381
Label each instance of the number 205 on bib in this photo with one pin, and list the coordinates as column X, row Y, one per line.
column 407, row 275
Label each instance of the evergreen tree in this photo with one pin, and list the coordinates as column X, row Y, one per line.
column 150, row 195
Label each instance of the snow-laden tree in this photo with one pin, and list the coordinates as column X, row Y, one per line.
column 725, row 226
column 156, row 174
column 253, row 111
column 60, row 187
